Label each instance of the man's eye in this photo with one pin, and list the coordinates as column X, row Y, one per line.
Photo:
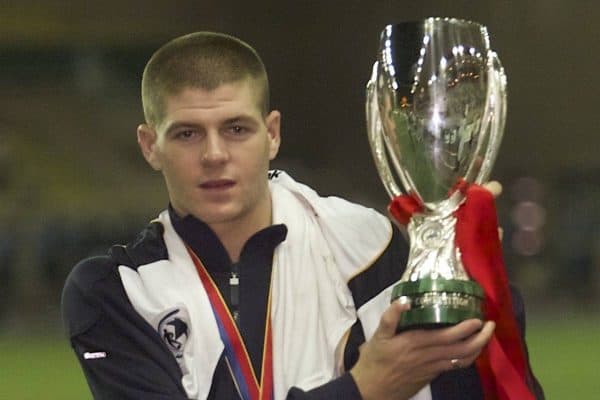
column 238, row 130
column 187, row 134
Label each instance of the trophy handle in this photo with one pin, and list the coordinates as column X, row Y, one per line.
column 375, row 131
column 495, row 116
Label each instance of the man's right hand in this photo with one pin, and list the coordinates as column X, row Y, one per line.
column 397, row 366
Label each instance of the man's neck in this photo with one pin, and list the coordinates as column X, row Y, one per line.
column 234, row 234
column 234, row 238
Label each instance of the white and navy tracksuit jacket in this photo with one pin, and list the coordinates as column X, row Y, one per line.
column 138, row 320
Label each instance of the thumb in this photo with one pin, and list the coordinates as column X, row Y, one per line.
column 389, row 320
column 494, row 187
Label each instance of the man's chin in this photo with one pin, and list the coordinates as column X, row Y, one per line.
column 216, row 218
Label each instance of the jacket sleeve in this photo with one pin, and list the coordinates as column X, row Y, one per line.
column 122, row 357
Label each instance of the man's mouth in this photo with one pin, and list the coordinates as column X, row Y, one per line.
column 217, row 184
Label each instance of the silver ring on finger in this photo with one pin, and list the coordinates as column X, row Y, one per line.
column 455, row 363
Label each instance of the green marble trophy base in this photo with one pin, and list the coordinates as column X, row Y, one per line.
column 436, row 303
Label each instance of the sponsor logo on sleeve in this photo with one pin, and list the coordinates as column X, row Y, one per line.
column 89, row 355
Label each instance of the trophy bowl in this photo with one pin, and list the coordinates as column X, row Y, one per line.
column 436, row 106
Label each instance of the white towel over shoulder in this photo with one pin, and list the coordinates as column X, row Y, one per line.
column 329, row 241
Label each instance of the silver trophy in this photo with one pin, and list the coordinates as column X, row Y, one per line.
column 436, row 106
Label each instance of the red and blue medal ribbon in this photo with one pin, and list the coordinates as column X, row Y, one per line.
column 236, row 354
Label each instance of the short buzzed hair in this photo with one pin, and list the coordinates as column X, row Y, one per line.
column 203, row 60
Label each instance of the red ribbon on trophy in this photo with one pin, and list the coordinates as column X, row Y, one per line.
column 502, row 365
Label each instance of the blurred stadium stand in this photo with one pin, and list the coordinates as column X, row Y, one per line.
column 72, row 181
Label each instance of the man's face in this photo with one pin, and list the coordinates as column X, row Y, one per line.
column 213, row 148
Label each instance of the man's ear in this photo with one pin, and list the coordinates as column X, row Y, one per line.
column 147, row 137
column 273, row 122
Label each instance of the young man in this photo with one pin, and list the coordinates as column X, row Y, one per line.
column 249, row 285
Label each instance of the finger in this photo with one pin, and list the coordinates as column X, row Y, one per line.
column 389, row 320
column 448, row 336
column 469, row 349
column 464, row 362
column 463, row 354
column 439, row 358
column 484, row 336
column 455, row 342
column 436, row 367
column 449, row 364
column 500, row 233
column 493, row 187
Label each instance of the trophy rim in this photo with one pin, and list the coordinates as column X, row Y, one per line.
column 463, row 21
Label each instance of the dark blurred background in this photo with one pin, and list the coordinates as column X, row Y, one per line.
column 72, row 180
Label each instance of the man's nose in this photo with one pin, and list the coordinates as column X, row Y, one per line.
column 215, row 149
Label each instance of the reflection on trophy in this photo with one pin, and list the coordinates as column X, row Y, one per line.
column 436, row 106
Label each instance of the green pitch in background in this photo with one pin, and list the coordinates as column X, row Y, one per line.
column 564, row 354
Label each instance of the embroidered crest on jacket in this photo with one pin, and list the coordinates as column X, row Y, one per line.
column 173, row 328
